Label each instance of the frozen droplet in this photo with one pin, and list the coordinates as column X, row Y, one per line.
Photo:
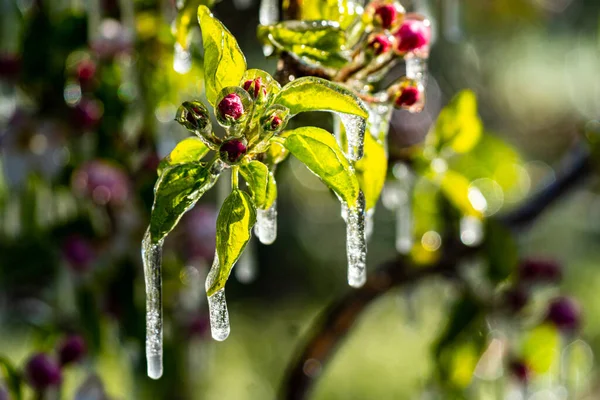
column 217, row 306
column 152, row 259
column 369, row 223
column 355, row 127
column 266, row 224
column 245, row 268
column 356, row 244
column 268, row 12
column 471, row 230
column 182, row 60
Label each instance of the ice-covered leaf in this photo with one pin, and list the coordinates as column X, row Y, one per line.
column 224, row 62
column 276, row 152
column 234, row 227
column 540, row 348
column 316, row 94
column 371, row 170
column 456, row 189
column 261, row 183
column 341, row 11
column 176, row 191
column 188, row 150
column 458, row 126
column 320, row 152
column 318, row 42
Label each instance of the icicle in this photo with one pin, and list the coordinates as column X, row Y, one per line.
column 245, row 268
column 182, row 60
column 266, row 224
column 355, row 133
column 152, row 259
column 217, row 306
column 356, row 245
column 268, row 12
column 471, row 230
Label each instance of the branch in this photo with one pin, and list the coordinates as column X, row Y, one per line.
column 337, row 320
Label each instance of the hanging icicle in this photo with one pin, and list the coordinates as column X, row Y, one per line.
column 356, row 244
column 266, row 224
column 217, row 306
column 355, row 128
column 152, row 259
column 268, row 13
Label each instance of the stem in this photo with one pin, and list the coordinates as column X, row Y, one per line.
column 338, row 318
column 234, row 177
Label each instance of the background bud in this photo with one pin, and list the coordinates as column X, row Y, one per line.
column 380, row 44
column 412, row 35
column 564, row 313
column 42, row 371
column 72, row 349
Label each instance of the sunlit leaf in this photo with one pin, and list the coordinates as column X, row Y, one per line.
column 224, row 62
column 175, row 192
column 458, row 126
column 320, row 152
column 316, row 94
column 276, row 152
column 260, row 182
column 188, row 150
column 540, row 348
column 234, row 227
column 456, row 189
column 11, row 377
column 185, row 19
column 341, row 11
column 319, row 42
column 371, row 170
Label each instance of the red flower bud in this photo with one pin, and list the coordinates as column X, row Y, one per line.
column 231, row 107
column 71, row 350
column 86, row 70
column 539, row 270
column 386, row 15
column 232, row 151
column 407, row 97
column 193, row 116
column 564, row 313
column 412, row 35
column 380, row 44
column 255, row 87
column 42, row 372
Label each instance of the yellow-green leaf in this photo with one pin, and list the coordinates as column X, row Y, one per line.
column 371, row 170
column 316, row 94
column 540, row 348
column 456, row 189
column 185, row 18
column 261, row 183
column 234, row 227
column 224, row 62
column 176, row 191
column 320, row 152
column 276, row 152
column 458, row 126
column 188, row 150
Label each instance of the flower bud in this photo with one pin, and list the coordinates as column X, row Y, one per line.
column 87, row 113
column 194, row 116
column 412, row 35
column 232, row 151
column 380, row 44
column 407, row 97
column 78, row 252
column 42, row 372
column 539, row 270
column 385, row 15
column 274, row 119
column 72, row 349
column 86, row 71
column 255, row 88
column 564, row 313
column 232, row 106
column 520, row 370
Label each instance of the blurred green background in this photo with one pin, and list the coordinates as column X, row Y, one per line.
column 78, row 165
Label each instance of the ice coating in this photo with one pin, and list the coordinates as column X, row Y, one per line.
column 355, row 127
column 268, row 13
column 266, row 224
column 152, row 259
column 356, row 244
column 369, row 223
column 217, row 306
column 182, row 60
column 416, row 68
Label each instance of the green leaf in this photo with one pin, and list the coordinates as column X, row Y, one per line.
column 234, row 227
column 175, row 192
column 11, row 377
column 276, row 152
column 502, row 251
column 341, row 11
column 371, row 170
column 185, row 18
column 320, row 152
column 188, row 150
column 456, row 189
column 458, row 126
column 261, row 183
column 318, row 42
column 540, row 348
column 316, row 94
column 224, row 62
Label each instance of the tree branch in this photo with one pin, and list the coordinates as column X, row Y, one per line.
column 339, row 317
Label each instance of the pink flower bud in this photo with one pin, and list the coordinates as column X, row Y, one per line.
column 86, row 70
column 72, row 349
column 565, row 314
column 42, row 372
column 412, row 35
column 386, row 15
column 255, row 87
column 380, row 44
column 539, row 270
column 407, row 97
column 231, row 107
column 232, row 151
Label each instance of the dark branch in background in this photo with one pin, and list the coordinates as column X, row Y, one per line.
column 337, row 320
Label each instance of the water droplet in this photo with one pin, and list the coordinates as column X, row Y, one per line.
column 356, row 245
column 152, row 259
column 266, row 224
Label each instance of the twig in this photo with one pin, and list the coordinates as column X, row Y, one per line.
column 340, row 316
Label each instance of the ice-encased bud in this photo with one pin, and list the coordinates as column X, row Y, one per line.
column 385, row 14
column 408, row 95
column 413, row 35
column 254, row 78
column 232, row 106
column 193, row 115
column 274, row 119
column 233, row 150
column 380, row 44
column 255, row 88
